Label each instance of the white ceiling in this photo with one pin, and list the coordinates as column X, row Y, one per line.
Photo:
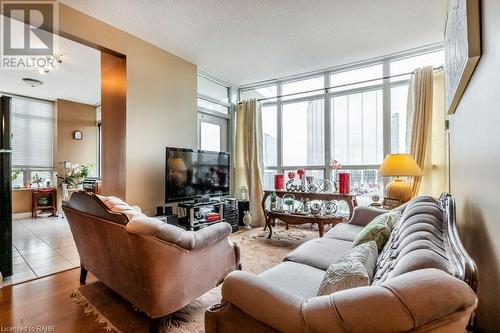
column 244, row 41
column 77, row 79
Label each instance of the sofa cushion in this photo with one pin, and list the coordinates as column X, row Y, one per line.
column 300, row 280
column 117, row 205
column 353, row 269
column 320, row 252
column 344, row 231
column 378, row 230
column 343, row 275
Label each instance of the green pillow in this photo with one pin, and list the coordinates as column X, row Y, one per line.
column 378, row 230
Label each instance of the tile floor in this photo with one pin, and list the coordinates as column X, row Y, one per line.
column 41, row 247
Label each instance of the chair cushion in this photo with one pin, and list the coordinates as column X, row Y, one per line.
column 353, row 269
column 378, row 230
column 320, row 252
column 344, row 231
column 300, row 280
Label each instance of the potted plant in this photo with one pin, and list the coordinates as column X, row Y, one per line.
column 36, row 179
column 274, row 201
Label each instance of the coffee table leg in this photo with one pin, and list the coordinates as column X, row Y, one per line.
column 321, row 228
column 269, row 225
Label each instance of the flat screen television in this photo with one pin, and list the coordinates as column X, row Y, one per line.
column 192, row 174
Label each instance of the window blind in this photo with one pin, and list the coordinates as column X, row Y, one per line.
column 33, row 133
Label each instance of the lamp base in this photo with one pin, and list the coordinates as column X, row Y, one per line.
column 399, row 189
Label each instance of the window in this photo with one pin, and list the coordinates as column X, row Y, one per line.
column 259, row 92
column 408, row 64
column 346, row 80
column 270, row 133
column 399, row 97
column 214, row 112
column 213, row 89
column 32, row 138
column 210, row 136
column 357, row 128
column 303, row 133
column 296, row 87
column 346, row 123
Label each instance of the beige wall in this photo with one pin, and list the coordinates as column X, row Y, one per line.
column 475, row 166
column 434, row 179
column 161, row 104
column 72, row 116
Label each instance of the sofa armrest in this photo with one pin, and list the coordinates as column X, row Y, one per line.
column 427, row 298
column 211, row 234
column 188, row 240
column 363, row 215
column 272, row 306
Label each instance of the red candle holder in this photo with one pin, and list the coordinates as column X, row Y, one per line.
column 344, row 183
column 279, row 182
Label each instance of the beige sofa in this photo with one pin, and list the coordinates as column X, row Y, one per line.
column 157, row 267
column 424, row 281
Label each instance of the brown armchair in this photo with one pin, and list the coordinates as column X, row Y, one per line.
column 157, row 267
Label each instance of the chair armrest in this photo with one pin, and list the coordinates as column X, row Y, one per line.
column 428, row 298
column 363, row 215
column 272, row 306
column 211, row 234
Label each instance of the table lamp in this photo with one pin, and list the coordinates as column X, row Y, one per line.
column 399, row 165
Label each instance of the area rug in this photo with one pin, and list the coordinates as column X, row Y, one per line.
column 258, row 255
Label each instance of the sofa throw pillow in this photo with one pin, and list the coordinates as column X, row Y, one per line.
column 378, row 230
column 353, row 269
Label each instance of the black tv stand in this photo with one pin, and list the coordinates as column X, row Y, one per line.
column 196, row 218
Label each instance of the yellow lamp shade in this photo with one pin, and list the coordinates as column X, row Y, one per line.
column 399, row 165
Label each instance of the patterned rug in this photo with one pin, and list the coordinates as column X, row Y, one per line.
column 258, row 255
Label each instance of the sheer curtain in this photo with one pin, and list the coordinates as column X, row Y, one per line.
column 420, row 98
column 248, row 159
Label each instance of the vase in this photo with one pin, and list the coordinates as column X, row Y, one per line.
column 64, row 191
column 247, row 220
column 289, row 200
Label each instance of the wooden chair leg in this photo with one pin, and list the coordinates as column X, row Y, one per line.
column 154, row 325
column 83, row 275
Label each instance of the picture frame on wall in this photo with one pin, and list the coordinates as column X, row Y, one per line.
column 462, row 47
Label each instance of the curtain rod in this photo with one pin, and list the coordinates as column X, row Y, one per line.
column 343, row 85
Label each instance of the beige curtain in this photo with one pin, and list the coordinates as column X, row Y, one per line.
column 419, row 114
column 248, row 159
column 435, row 168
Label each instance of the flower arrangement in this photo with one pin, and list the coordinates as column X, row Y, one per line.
column 74, row 174
column 335, row 166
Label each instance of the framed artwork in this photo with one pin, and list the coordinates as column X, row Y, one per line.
column 462, row 47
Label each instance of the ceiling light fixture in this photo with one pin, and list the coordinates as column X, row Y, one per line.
column 32, row 82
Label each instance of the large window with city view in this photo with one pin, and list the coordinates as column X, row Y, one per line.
column 349, row 114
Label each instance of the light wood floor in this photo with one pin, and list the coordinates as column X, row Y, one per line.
column 46, row 302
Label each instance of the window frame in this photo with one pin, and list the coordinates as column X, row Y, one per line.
column 227, row 117
column 386, row 85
